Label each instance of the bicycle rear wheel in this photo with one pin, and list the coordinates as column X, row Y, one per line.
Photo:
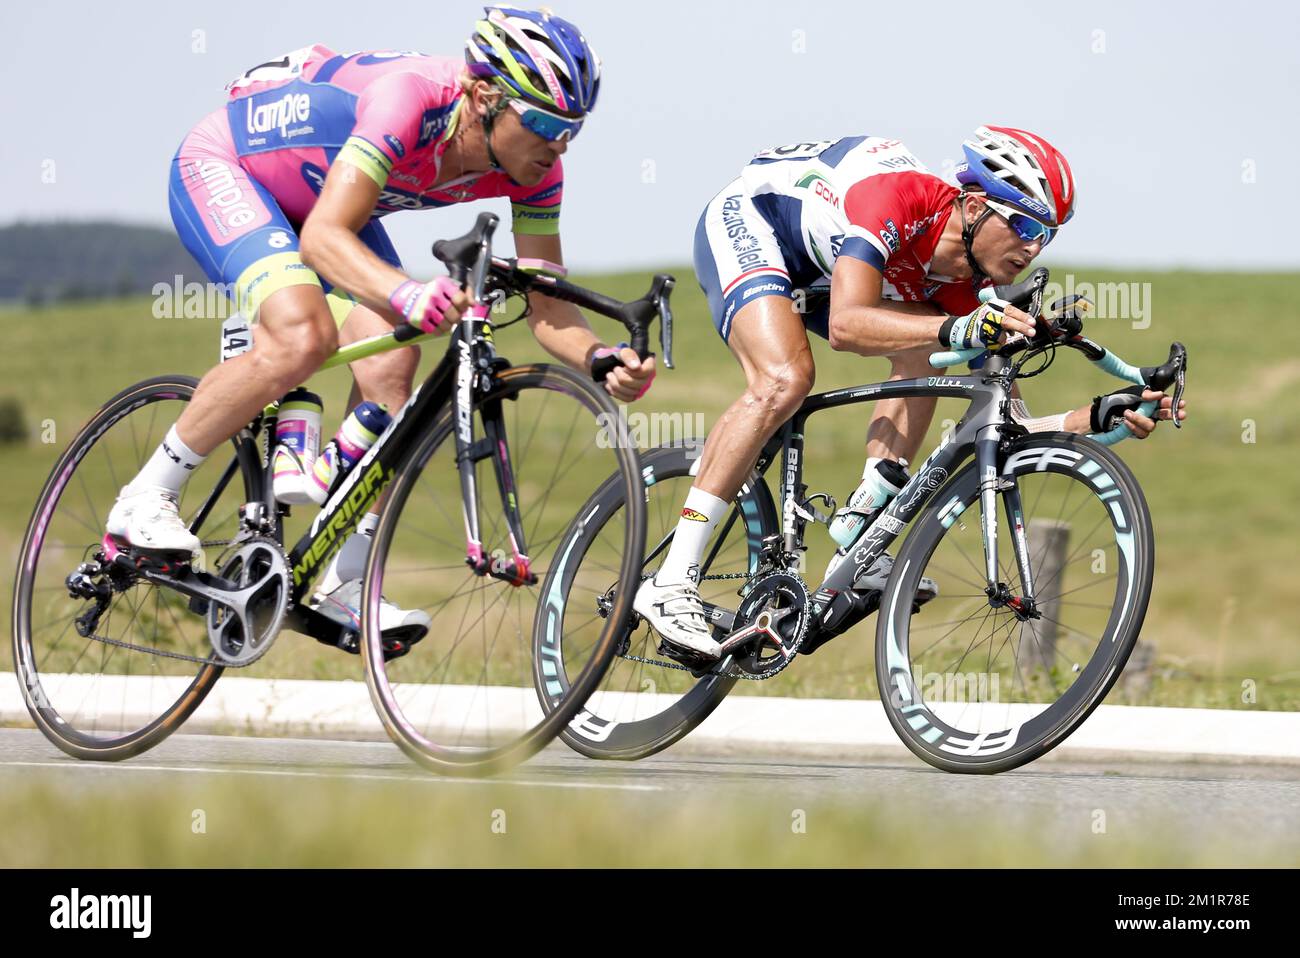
column 136, row 675
column 646, row 702
column 975, row 686
column 462, row 701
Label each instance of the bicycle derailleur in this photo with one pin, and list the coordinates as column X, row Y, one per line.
column 244, row 605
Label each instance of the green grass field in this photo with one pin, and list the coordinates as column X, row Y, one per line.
column 1224, row 610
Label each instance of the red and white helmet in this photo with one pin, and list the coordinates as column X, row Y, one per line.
column 1022, row 170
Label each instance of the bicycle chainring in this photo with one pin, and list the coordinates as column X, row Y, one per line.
column 770, row 626
column 244, row 623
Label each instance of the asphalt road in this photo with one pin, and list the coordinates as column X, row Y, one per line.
column 1238, row 802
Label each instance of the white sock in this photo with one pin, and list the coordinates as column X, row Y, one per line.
column 699, row 518
column 170, row 465
column 350, row 561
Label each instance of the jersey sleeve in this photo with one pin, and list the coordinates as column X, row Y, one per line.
column 875, row 207
column 395, row 114
column 955, row 299
column 535, row 210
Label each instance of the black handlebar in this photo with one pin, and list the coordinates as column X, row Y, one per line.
column 1026, row 294
column 469, row 262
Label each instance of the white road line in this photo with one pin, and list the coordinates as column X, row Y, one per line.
column 413, row 779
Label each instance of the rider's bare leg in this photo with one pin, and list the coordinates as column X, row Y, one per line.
column 898, row 426
column 295, row 334
column 769, row 340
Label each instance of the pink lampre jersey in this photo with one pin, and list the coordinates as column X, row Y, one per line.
column 390, row 114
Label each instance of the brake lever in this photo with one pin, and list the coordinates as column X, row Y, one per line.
column 666, row 320
column 1180, row 381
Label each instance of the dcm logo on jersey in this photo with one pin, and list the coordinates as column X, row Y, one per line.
column 821, row 187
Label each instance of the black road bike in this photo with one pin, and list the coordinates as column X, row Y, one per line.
column 114, row 651
column 994, row 640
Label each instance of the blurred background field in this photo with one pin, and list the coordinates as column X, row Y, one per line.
column 1222, row 624
column 240, row 821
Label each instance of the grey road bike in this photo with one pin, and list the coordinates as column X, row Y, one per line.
column 1010, row 610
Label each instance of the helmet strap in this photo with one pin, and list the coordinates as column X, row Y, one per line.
column 968, row 238
column 488, row 120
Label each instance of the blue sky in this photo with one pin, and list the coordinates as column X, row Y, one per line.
column 1179, row 120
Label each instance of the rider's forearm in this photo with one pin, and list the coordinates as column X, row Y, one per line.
column 886, row 328
column 1076, row 420
column 334, row 251
column 562, row 331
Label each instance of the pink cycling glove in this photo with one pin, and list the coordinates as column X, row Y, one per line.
column 424, row 305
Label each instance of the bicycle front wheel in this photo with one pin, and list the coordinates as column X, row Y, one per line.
column 462, row 701
column 973, row 684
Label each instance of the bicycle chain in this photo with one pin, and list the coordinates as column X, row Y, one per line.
column 163, row 652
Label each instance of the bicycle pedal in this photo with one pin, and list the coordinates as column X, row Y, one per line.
column 397, row 642
column 699, row 665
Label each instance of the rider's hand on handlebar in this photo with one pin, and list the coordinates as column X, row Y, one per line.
column 1016, row 320
column 988, row 325
column 430, row 307
column 1143, row 426
column 629, row 381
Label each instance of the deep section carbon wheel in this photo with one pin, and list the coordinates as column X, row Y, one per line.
column 646, row 701
column 974, row 682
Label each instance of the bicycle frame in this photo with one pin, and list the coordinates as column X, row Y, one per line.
column 464, row 375
column 978, row 433
column 464, row 372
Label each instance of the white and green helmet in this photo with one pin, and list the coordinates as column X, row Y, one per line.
column 537, row 57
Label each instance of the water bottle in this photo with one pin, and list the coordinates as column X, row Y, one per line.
column 355, row 437
column 297, row 445
column 873, row 494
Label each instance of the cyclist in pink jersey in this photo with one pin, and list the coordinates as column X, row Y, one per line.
column 898, row 256
column 280, row 192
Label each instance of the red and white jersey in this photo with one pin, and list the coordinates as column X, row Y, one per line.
column 866, row 197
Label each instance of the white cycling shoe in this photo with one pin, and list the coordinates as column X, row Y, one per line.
column 148, row 519
column 674, row 610
column 343, row 605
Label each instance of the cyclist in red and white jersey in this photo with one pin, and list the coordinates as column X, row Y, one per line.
column 279, row 194
column 902, row 255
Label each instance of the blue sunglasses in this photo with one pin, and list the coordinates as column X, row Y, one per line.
column 548, row 126
column 1026, row 227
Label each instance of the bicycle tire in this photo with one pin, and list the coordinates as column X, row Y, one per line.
column 921, row 730
column 602, row 737
column 56, row 727
column 511, row 383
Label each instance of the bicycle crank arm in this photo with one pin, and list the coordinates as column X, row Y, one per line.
column 764, row 628
column 231, row 607
column 718, row 617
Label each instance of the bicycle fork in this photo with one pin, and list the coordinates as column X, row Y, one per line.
column 991, row 485
column 517, row 570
